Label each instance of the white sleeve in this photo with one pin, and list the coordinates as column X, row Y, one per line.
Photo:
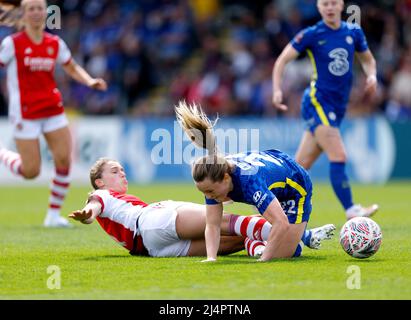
column 6, row 51
column 64, row 54
column 105, row 199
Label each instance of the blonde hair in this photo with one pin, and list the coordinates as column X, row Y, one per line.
column 199, row 128
column 96, row 170
column 23, row 3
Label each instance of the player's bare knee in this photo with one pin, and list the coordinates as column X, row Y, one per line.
column 30, row 174
column 305, row 163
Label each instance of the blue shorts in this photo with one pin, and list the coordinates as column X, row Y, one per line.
column 297, row 203
column 316, row 111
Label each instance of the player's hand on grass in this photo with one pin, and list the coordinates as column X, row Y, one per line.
column 278, row 99
column 209, row 260
column 81, row 215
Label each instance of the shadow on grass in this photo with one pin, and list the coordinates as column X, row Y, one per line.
column 366, row 260
column 40, row 227
column 107, row 256
column 246, row 259
column 223, row 260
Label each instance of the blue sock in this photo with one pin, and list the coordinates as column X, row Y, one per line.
column 341, row 186
column 298, row 251
column 306, row 237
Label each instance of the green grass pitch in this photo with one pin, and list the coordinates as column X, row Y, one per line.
column 93, row 266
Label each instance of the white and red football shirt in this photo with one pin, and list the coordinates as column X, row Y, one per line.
column 33, row 93
column 118, row 217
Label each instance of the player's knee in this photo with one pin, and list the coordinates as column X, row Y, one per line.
column 30, row 173
column 337, row 154
column 305, row 162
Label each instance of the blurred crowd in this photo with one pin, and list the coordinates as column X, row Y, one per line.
column 219, row 53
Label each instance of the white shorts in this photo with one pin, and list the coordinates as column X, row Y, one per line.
column 157, row 226
column 32, row 129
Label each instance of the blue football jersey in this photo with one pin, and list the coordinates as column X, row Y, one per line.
column 332, row 54
column 261, row 176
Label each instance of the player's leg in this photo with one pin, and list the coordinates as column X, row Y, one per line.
column 27, row 160
column 313, row 238
column 60, row 145
column 256, row 228
column 308, row 150
column 329, row 139
column 288, row 244
column 298, row 209
column 254, row 248
column 191, row 222
column 177, row 229
column 228, row 244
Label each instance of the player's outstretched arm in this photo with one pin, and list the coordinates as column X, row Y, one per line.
column 287, row 55
column 75, row 71
column 88, row 214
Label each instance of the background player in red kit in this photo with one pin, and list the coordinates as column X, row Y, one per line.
column 35, row 103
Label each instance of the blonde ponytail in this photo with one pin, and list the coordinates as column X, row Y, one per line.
column 197, row 126
column 200, row 130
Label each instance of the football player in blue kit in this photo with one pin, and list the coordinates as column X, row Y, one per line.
column 270, row 180
column 331, row 45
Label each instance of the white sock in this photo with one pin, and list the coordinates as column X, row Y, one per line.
column 53, row 213
column 254, row 247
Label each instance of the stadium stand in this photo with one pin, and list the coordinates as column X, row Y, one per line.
column 219, row 53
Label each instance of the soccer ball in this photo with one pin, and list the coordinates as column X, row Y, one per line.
column 360, row 237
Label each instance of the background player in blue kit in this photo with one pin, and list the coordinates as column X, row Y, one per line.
column 330, row 45
column 270, row 180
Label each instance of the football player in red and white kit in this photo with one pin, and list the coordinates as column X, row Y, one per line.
column 35, row 102
column 166, row 228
